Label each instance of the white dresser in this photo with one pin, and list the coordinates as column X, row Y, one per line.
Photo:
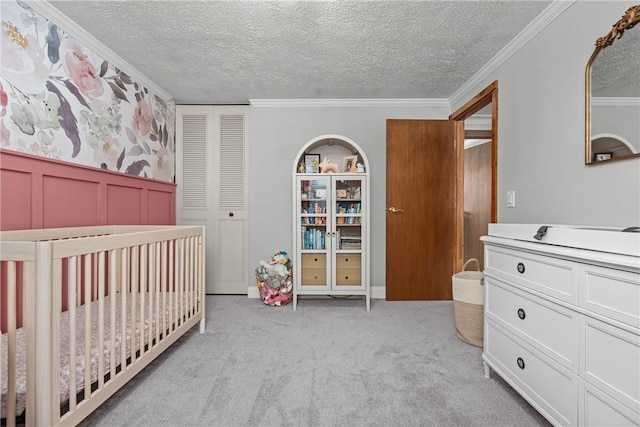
column 562, row 320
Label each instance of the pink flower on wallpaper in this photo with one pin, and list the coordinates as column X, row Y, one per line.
column 163, row 167
column 142, row 118
column 107, row 152
column 44, row 147
column 80, row 70
column 23, row 60
column 4, row 100
column 4, row 132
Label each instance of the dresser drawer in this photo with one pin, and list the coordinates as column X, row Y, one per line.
column 612, row 361
column 599, row 409
column 549, row 327
column 549, row 385
column 348, row 261
column 348, row 277
column 314, row 261
column 611, row 293
column 314, row 277
column 551, row 276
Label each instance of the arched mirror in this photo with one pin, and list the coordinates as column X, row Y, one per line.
column 613, row 93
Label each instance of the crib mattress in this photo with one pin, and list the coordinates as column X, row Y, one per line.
column 65, row 337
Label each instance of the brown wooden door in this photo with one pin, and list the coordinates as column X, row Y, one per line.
column 421, row 172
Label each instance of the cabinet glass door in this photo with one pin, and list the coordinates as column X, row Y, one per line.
column 348, row 232
column 314, row 236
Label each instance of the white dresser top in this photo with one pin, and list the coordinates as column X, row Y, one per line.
column 602, row 239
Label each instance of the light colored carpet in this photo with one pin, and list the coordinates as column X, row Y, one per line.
column 330, row 363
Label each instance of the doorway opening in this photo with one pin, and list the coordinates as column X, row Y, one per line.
column 477, row 179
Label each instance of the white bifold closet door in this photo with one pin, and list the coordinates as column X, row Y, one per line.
column 211, row 174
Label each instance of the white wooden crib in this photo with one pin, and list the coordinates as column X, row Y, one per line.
column 85, row 309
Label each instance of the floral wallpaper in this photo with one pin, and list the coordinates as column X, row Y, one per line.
column 60, row 100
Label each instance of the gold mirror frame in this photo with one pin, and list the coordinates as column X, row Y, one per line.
column 628, row 21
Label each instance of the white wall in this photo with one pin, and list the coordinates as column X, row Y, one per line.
column 541, row 129
column 277, row 134
column 541, row 143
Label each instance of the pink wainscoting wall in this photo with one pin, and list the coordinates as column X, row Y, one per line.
column 36, row 192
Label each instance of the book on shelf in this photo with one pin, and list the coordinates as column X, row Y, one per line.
column 313, row 238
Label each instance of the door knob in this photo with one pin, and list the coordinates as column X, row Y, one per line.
column 394, row 210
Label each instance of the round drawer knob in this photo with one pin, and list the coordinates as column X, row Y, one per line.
column 346, row 277
column 520, row 363
column 521, row 313
column 315, row 277
column 315, row 259
column 520, row 268
column 346, row 260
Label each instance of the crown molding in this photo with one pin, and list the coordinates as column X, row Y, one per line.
column 49, row 11
column 555, row 9
column 602, row 101
column 376, row 103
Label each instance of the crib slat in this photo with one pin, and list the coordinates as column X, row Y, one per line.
column 150, row 292
column 44, row 369
column 29, row 286
column 113, row 276
column 11, row 343
column 124, row 274
column 143, row 287
column 189, row 283
column 72, row 293
column 163, row 285
column 56, row 309
column 157, row 322
column 134, row 306
column 181, row 278
column 100, row 297
column 172, row 286
column 88, row 266
column 202, row 269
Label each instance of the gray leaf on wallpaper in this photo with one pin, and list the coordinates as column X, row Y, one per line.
column 135, row 151
column 147, row 149
column 117, row 91
column 131, row 135
column 53, row 43
column 136, row 167
column 124, row 77
column 75, row 92
column 120, row 159
column 103, row 68
column 119, row 83
column 165, row 136
column 68, row 120
column 154, row 125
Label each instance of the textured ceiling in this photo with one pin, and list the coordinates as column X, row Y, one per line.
column 227, row 52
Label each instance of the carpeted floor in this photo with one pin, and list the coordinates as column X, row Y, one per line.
column 330, row 363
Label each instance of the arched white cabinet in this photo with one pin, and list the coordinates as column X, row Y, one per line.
column 331, row 219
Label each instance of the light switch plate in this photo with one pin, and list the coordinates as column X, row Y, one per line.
column 511, row 198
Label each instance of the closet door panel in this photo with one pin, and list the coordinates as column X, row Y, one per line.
column 230, row 196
